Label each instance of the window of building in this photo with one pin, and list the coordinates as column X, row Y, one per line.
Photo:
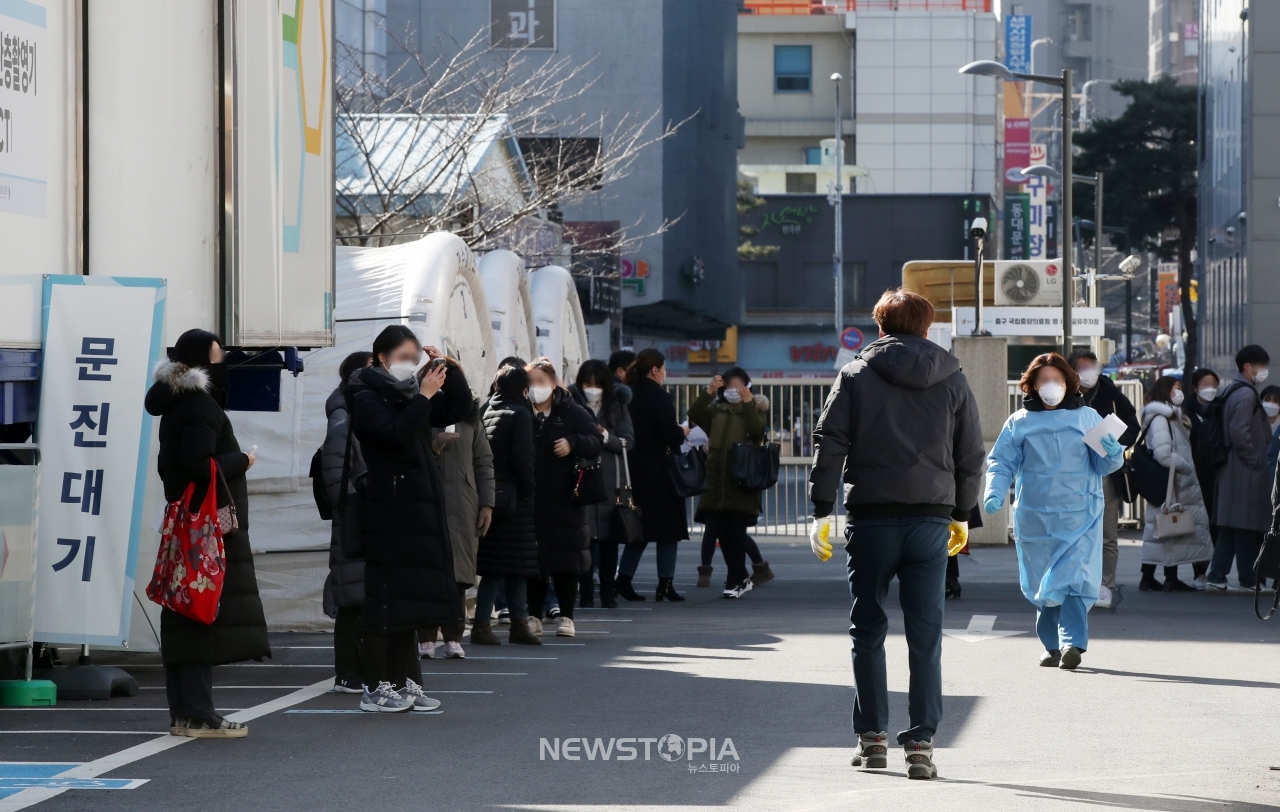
column 792, row 68
column 813, row 155
column 802, row 183
column 1079, row 23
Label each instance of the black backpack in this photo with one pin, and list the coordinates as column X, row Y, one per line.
column 317, row 488
column 1211, row 440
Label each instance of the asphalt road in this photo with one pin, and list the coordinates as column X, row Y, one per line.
column 1175, row 708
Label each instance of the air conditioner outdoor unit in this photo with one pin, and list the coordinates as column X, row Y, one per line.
column 1022, row 283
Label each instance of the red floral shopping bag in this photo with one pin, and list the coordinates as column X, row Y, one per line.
column 191, row 563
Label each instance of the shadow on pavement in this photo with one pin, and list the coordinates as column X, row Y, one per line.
column 1182, row 678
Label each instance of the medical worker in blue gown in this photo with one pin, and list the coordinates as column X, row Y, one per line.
column 1057, row 481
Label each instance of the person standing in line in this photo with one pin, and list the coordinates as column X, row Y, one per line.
column 1103, row 396
column 1242, row 503
column 1270, row 397
column 508, row 553
column 619, row 362
column 408, row 575
column 1057, row 524
column 761, row 572
column 1204, row 383
column 900, row 427
column 563, row 434
column 597, row 391
column 466, row 463
column 344, row 588
column 662, row 510
column 730, row 414
column 1168, row 435
column 189, row 396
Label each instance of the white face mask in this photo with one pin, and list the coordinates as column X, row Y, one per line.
column 1208, row 393
column 402, row 370
column 540, row 394
column 1260, row 375
column 1089, row 377
column 1052, row 393
column 592, row 393
column 1272, row 409
column 1175, row 397
column 733, row 396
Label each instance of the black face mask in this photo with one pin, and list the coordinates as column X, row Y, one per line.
column 218, row 376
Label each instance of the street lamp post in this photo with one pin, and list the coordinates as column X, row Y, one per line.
column 999, row 71
column 837, row 201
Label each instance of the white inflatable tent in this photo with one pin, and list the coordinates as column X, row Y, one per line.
column 433, row 286
column 560, row 330
column 506, row 287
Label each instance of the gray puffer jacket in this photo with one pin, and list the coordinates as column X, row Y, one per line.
column 901, row 425
column 345, row 585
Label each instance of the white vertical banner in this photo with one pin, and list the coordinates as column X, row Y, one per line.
column 102, row 337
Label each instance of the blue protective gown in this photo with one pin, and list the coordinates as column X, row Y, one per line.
column 1057, row 480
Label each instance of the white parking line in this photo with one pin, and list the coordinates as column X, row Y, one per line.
column 93, row 769
column 357, row 710
column 231, row 687
column 105, row 732
column 514, row 658
column 476, row 674
column 100, row 710
column 609, row 619
column 570, row 644
column 240, row 665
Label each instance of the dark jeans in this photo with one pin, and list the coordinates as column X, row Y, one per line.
column 190, row 691
column 604, row 558
column 346, row 645
column 709, row 540
column 391, row 657
column 730, row 527
column 452, row 631
column 566, row 587
column 666, row 558
column 1242, row 545
column 487, row 593
column 915, row 550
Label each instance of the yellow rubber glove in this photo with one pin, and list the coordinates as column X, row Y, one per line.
column 819, row 533
column 959, row 537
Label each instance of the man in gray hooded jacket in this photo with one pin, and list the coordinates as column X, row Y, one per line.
column 901, row 425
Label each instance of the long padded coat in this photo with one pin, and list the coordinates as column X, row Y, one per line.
column 1168, row 435
column 466, row 464
column 1243, row 498
column 345, row 585
column 511, row 545
column 614, row 418
column 658, row 434
column 193, row 428
column 564, row 545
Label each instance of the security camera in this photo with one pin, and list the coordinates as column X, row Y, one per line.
column 1130, row 264
column 978, row 228
column 1231, row 230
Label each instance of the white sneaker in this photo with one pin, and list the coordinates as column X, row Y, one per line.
column 427, row 650
column 421, row 702
column 1104, row 598
column 384, row 699
column 453, row 651
column 502, row 616
column 738, row 591
column 564, row 627
column 1200, row 583
column 535, row 625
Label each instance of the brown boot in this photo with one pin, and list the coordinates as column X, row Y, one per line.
column 482, row 634
column 521, row 635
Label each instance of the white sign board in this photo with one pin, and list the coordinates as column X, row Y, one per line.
column 102, row 338
column 1033, row 321
column 24, row 92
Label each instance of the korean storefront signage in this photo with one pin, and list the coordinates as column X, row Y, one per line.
column 523, row 24
column 1033, row 321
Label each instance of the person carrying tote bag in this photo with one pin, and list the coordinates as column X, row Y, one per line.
column 1167, row 437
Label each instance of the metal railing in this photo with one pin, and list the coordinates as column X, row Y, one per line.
column 820, row 7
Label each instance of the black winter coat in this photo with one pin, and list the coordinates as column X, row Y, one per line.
column 511, row 545
column 408, row 573
column 344, row 587
column 564, row 545
column 614, row 418
column 658, row 434
column 1106, row 398
column 193, row 428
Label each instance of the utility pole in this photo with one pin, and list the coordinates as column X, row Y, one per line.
column 837, row 201
column 1068, row 273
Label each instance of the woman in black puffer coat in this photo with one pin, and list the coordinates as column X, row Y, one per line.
column 408, row 571
column 188, row 396
column 508, row 553
column 563, row 433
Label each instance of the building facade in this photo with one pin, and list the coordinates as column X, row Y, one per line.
column 1174, row 40
column 671, row 58
column 1239, row 216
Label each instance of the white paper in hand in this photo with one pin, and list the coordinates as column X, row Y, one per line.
column 1109, row 425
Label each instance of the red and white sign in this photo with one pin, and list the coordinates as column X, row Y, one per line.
column 1017, row 147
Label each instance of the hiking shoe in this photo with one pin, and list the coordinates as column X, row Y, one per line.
column 482, row 634
column 215, row 728
column 421, row 702
column 534, row 625
column 564, row 627
column 1070, row 658
column 704, row 576
column 522, row 634
column 1051, row 659
column 873, row 751
column 920, row 760
column 734, row 592
column 346, row 685
column 1104, row 598
column 453, row 651
column 761, row 573
column 384, row 699
column 427, row 651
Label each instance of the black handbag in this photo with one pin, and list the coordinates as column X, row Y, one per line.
column 625, row 525
column 588, row 483
column 317, row 485
column 1148, row 477
column 1267, row 566
column 754, row 467
column 688, row 471
column 350, row 506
